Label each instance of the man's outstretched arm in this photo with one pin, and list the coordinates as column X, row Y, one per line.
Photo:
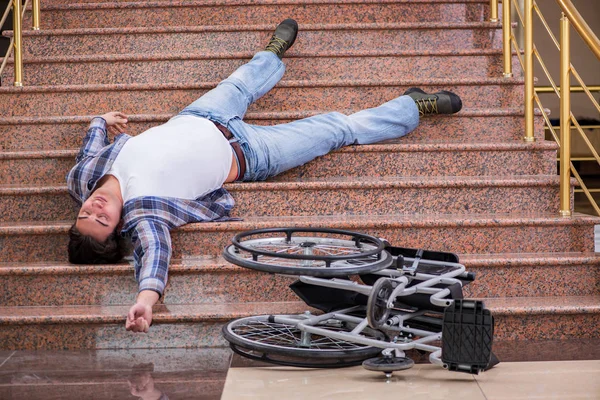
column 152, row 253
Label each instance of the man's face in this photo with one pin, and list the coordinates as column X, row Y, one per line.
column 99, row 215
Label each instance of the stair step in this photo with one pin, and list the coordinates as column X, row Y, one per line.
column 389, row 159
column 533, row 275
column 193, row 280
column 103, row 327
column 198, row 325
column 319, row 38
column 210, row 279
column 464, row 234
column 545, row 318
column 201, row 67
column 308, row 95
column 59, row 15
column 332, row 196
column 469, row 125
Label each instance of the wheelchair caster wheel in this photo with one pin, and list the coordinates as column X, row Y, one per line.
column 387, row 365
column 377, row 311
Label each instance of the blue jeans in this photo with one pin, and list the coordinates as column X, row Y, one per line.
column 270, row 150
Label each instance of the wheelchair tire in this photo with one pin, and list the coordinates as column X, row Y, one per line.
column 261, row 338
column 292, row 361
column 388, row 364
column 308, row 251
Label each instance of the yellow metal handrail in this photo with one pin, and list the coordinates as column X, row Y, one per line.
column 570, row 13
column 583, row 127
column 580, row 26
column 36, row 17
column 582, row 159
column 549, row 89
column 493, row 10
column 565, row 117
column 15, row 42
column 529, row 79
column 563, row 90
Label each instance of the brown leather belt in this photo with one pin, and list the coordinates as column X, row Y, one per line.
column 237, row 149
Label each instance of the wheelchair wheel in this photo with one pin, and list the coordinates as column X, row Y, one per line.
column 377, row 311
column 308, row 251
column 261, row 338
column 387, row 365
column 293, row 361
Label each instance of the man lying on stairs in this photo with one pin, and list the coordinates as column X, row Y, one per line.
column 170, row 175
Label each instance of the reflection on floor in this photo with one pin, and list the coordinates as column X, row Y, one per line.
column 525, row 380
column 114, row 374
column 203, row 374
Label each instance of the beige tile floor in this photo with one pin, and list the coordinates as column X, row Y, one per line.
column 522, row 380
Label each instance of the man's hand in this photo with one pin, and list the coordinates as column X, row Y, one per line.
column 139, row 317
column 116, row 122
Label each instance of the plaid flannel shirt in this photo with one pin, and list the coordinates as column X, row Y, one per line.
column 146, row 220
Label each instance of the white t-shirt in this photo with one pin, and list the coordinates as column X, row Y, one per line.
column 186, row 158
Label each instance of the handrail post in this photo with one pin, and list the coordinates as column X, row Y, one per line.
column 17, row 57
column 493, row 10
column 506, row 34
column 528, row 56
column 35, row 9
column 565, row 118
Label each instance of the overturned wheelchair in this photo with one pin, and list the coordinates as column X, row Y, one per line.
column 403, row 299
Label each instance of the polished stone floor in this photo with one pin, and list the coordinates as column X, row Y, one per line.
column 114, row 374
column 512, row 380
column 215, row 373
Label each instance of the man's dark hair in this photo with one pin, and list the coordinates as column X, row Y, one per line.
column 85, row 249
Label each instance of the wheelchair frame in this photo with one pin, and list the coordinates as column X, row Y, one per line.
column 465, row 330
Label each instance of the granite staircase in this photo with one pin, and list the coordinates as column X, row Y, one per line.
column 464, row 183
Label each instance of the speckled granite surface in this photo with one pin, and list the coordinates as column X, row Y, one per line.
column 89, row 327
column 251, row 12
column 318, row 39
column 533, row 275
column 177, row 68
column 204, row 279
column 466, row 126
column 469, row 234
column 351, row 55
column 332, row 196
column 189, row 325
column 546, row 350
column 543, row 319
column 394, row 159
column 195, row 280
column 309, row 95
column 492, row 233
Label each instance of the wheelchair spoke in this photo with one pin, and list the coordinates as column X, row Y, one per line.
column 281, row 334
column 340, row 344
column 279, row 261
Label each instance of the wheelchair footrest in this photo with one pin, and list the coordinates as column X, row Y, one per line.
column 467, row 336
